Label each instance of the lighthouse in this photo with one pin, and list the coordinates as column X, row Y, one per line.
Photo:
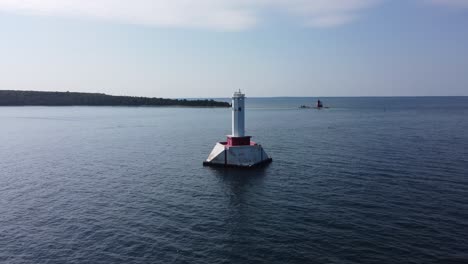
column 238, row 116
column 238, row 150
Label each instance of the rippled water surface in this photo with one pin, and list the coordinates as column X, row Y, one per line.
column 369, row 180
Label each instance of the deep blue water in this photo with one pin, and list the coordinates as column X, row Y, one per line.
column 369, row 180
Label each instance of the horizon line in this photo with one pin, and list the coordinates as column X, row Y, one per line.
column 227, row 97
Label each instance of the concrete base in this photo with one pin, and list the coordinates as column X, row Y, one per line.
column 224, row 155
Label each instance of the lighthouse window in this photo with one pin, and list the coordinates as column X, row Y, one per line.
column 240, row 109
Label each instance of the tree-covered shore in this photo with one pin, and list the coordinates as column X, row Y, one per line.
column 30, row 98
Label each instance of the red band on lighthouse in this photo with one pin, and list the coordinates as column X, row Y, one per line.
column 238, row 141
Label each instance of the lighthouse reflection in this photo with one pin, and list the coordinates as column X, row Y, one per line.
column 240, row 185
column 237, row 181
column 245, row 193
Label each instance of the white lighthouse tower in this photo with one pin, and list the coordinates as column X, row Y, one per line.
column 238, row 150
column 238, row 116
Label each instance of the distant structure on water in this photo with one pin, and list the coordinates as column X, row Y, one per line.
column 238, row 150
column 319, row 104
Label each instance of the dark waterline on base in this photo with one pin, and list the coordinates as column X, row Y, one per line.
column 369, row 180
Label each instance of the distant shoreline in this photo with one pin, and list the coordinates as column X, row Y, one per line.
column 43, row 98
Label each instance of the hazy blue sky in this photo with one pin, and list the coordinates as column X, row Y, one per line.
column 208, row 48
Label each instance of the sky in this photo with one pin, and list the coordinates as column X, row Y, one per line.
column 209, row 48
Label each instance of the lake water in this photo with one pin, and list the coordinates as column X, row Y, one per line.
column 369, row 180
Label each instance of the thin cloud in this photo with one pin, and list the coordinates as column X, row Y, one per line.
column 451, row 3
column 326, row 21
column 326, row 13
column 210, row 14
